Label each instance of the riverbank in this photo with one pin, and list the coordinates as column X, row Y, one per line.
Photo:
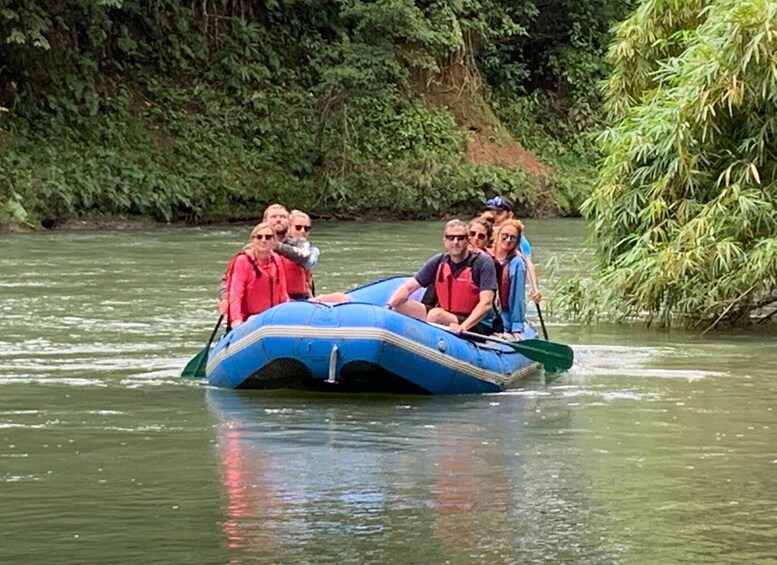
column 57, row 180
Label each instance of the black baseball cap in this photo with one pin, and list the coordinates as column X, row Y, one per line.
column 499, row 203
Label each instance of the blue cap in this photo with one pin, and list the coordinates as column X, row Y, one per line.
column 499, row 203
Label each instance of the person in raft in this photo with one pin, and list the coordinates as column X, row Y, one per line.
column 460, row 285
column 255, row 281
column 511, row 272
column 480, row 231
column 500, row 208
column 298, row 256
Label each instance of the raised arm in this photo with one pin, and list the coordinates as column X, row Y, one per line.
column 294, row 251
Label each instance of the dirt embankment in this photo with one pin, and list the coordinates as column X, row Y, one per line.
column 457, row 87
column 482, row 150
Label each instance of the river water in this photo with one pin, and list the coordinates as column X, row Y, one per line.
column 656, row 447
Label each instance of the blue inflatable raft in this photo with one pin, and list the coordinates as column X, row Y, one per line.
column 360, row 346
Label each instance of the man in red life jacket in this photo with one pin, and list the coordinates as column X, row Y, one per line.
column 460, row 285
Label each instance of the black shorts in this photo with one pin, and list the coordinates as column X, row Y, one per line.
column 479, row 328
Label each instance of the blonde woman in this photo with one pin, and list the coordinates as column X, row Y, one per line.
column 298, row 256
column 512, row 268
column 255, row 279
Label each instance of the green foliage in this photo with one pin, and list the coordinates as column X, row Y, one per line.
column 685, row 210
column 207, row 111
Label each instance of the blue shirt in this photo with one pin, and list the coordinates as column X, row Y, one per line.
column 514, row 312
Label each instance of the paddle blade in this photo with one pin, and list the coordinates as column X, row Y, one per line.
column 195, row 368
column 555, row 357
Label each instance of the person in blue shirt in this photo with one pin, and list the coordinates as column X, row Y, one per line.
column 512, row 268
column 500, row 208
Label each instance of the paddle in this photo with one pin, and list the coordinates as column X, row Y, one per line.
column 554, row 357
column 542, row 322
column 195, row 368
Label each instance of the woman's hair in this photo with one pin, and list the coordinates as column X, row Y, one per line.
column 298, row 214
column 517, row 224
column 479, row 220
column 258, row 228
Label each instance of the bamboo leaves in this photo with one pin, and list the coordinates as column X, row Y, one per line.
column 691, row 163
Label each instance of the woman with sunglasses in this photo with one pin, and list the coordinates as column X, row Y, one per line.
column 479, row 234
column 512, row 267
column 298, row 256
column 255, row 281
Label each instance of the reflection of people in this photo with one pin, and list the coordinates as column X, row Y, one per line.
column 457, row 488
column 247, row 495
column 255, row 280
column 461, row 285
column 461, row 490
column 298, row 256
column 471, row 492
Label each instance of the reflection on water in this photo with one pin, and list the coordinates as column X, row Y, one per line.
column 437, row 479
column 655, row 447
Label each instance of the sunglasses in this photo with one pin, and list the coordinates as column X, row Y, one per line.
column 301, row 228
column 508, row 237
column 455, row 237
column 477, row 234
column 263, row 237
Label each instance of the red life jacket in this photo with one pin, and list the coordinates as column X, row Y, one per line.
column 503, row 278
column 263, row 290
column 297, row 279
column 457, row 294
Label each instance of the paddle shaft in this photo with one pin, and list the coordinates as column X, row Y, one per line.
column 542, row 322
column 473, row 335
column 554, row 357
column 207, row 346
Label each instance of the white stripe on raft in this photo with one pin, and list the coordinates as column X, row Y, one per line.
column 383, row 335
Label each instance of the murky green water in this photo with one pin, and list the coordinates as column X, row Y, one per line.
column 655, row 448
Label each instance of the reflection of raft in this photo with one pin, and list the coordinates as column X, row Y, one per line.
column 359, row 346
